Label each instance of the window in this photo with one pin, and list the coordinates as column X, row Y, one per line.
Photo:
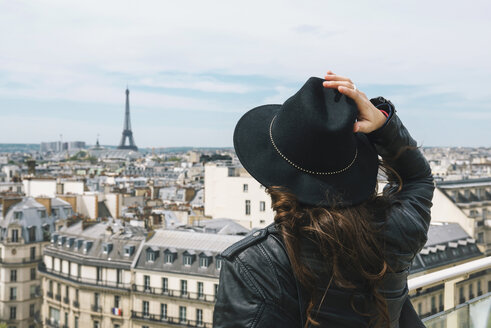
column 99, row 274
column 216, row 291
column 15, row 235
column 245, row 187
column 440, row 301
column 32, row 309
column 96, row 300
column 33, row 252
column 13, row 312
column 420, row 306
column 184, row 287
column 128, row 250
column 145, row 308
column 480, row 237
column 119, row 276
column 33, row 273
column 471, row 291
column 66, row 319
column 17, row 215
column 146, row 282
column 165, row 285
column 116, row 301
column 187, row 259
column 13, row 275
column 168, row 258
column 42, row 213
column 96, row 324
column 79, row 270
column 433, row 304
column 76, row 295
column 107, row 248
column 218, row 263
column 262, row 206
column 32, row 233
column 75, row 323
column 33, row 291
column 55, row 213
column 182, row 314
column 479, row 289
column 50, row 286
column 13, row 293
column 204, row 262
column 199, row 317
column 248, row 207
column 150, row 255
column 163, row 311
column 200, row 289
column 461, row 295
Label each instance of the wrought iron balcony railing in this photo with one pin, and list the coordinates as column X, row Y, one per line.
column 174, row 293
column 183, row 322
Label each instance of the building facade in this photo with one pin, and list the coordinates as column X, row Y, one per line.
column 231, row 192
column 25, row 227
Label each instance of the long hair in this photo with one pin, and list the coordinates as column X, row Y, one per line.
column 346, row 238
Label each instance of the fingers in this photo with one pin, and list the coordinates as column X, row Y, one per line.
column 334, row 77
column 350, row 92
column 336, row 84
column 361, row 126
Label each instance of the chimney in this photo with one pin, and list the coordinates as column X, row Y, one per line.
column 31, row 167
column 7, row 203
column 46, row 202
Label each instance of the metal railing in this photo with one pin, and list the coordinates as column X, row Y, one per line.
column 88, row 281
column 449, row 277
column 169, row 320
column 174, row 293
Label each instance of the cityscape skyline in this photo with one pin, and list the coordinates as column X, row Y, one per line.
column 192, row 76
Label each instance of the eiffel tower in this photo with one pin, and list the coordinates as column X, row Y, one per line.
column 127, row 133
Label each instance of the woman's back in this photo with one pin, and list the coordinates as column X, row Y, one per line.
column 281, row 277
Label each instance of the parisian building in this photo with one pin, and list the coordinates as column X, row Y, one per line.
column 25, row 228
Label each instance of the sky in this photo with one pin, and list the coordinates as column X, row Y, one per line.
column 195, row 67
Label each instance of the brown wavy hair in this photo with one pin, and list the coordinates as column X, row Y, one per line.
column 348, row 241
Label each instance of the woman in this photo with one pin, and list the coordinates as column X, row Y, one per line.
column 338, row 253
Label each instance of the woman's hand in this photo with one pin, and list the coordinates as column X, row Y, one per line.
column 369, row 117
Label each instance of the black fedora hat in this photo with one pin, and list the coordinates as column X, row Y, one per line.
column 308, row 146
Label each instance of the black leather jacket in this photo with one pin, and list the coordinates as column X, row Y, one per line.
column 257, row 286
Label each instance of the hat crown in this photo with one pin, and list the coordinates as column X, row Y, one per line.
column 314, row 128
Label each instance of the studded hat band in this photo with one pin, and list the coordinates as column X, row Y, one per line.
column 301, row 168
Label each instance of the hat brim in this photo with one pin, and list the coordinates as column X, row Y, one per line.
column 258, row 156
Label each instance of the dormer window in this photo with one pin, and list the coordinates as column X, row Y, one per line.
column 78, row 244
column 70, row 241
column 55, row 212
column 129, row 250
column 87, row 246
column 188, row 257
column 42, row 213
column 54, row 238
column 170, row 255
column 218, row 263
column 107, row 248
column 204, row 259
column 152, row 254
column 61, row 240
column 18, row 215
column 68, row 211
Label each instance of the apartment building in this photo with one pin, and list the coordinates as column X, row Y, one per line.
column 231, row 192
column 176, row 279
column 86, row 274
column 25, row 227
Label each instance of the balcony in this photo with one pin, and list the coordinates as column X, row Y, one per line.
column 174, row 293
column 49, row 294
column 87, row 281
column 66, row 300
column 179, row 322
column 58, row 297
column 76, row 304
column 96, row 308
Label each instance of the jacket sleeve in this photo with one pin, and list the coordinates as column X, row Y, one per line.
column 409, row 215
column 246, row 297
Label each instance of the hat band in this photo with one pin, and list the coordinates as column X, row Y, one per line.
column 301, row 168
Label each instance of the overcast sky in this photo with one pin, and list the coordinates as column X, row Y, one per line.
column 194, row 67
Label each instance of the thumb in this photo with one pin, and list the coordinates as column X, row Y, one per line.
column 361, row 126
